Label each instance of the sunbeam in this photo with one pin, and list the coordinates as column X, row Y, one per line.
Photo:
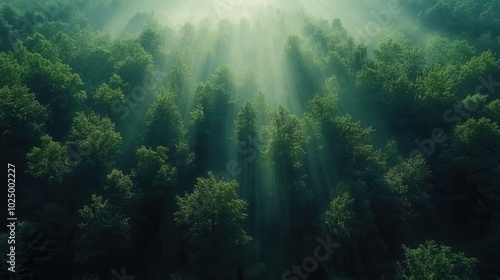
column 250, row 139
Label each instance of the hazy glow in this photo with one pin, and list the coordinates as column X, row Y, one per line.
column 354, row 13
column 251, row 37
column 255, row 42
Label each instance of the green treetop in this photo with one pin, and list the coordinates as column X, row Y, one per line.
column 434, row 262
column 214, row 215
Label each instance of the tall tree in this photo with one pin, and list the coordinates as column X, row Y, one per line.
column 349, row 143
column 408, row 186
column 65, row 91
column 302, row 70
column 472, row 175
column 214, row 110
column 214, row 216
column 390, row 77
column 119, row 189
column 164, row 122
column 48, row 162
column 11, row 72
column 22, row 118
column 291, row 196
column 106, row 96
column 164, row 127
column 286, row 151
column 95, row 142
column 132, row 62
column 350, row 221
column 431, row 261
column 246, row 124
column 247, row 141
column 104, row 230
column 153, row 173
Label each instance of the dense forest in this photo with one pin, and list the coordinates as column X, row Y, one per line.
column 232, row 139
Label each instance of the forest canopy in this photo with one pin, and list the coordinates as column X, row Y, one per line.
column 251, row 139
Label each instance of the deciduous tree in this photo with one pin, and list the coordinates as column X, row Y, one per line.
column 214, row 215
column 431, row 261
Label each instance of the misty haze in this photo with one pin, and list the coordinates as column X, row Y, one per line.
column 250, row 140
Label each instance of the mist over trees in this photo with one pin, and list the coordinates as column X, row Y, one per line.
column 200, row 140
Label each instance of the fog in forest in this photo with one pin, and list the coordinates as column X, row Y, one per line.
column 237, row 139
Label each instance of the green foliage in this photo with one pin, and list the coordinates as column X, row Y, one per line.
column 343, row 140
column 54, row 53
column 262, row 108
column 96, row 137
column 10, row 71
column 350, row 143
column 473, row 157
column 444, row 51
column 392, row 73
column 10, row 23
column 163, row 122
column 105, row 96
column 133, row 62
column 286, row 149
column 322, row 108
column 462, row 17
column 478, row 139
column 317, row 31
column 432, row 262
column 37, row 43
column 199, row 131
column 437, row 85
column 182, row 157
column 492, row 110
column 118, row 190
column 48, row 161
column 349, row 216
column 82, row 49
column 331, row 87
column 225, row 88
column 179, row 78
column 26, row 233
column 153, row 43
column 408, row 185
column 214, row 215
column 319, row 113
column 246, row 124
column 289, row 139
column 213, row 111
column 217, row 96
column 104, row 229
column 334, row 48
column 152, row 173
column 483, row 63
column 339, row 217
column 22, row 118
column 474, row 102
column 10, row 14
column 53, row 82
